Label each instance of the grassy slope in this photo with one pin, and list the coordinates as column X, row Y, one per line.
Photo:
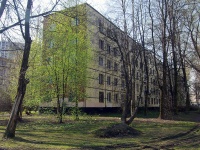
column 42, row 132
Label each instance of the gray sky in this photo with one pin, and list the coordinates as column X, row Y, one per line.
column 100, row 5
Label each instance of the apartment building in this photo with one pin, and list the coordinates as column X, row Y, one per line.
column 106, row 84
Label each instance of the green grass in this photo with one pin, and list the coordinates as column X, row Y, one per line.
column 42, row 132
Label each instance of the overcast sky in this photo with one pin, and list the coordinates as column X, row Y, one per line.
column 99, row 5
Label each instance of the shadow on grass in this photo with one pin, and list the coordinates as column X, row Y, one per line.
column 46, row 143
column 185, row 139
column 197, row 127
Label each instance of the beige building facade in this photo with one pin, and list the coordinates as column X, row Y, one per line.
column 105, row 80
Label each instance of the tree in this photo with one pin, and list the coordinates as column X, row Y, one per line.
column 192, row 23
column 131, row 56
column 66, row 61
column 141, row 23
column 33, row 96
column 22, row 80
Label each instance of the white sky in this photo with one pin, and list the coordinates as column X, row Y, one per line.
column 99, row 5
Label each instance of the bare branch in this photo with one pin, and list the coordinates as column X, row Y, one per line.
column 35, row 16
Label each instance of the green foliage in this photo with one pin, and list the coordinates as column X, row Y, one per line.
column 14, row 73
column 65, row 58
column 34, row 75
column 32, row 98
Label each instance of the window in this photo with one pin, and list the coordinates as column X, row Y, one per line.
column 141, row 100
column 101, row 97
column 108, row 80
column 109, row 32
column 52, row 27
column 122, row 97
column 101, row 44
column 115, row 81
column 2, row 63
column 100, row 26
column 116, row 97
column 151, row 100
column 75, row 21
column 51, row 44
column 154, row 101
column 115, row 52
column 150, row 71
column 136, row 63
column 115, row 66
column 100, row 61
column 108, row 64
column 108, row 49
column 2, row 72
column 109, row 97
column 123, row 83
column 122, row 70
column 100, row 78
column 133, row 62
column 71, row 97
column 141, row 65
column 1, row 81
column 4, row 54
column 157, row 101
column 137, row 86
column 137, row 76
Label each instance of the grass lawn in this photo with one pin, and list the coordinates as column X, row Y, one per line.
column 42, row 132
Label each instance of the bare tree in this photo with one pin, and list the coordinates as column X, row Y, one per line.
column 131, row 54
column 192, row 24
column 24, row 25
column 160, row 17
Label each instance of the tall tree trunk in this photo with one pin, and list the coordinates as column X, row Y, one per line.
column 22, row 82
column 186, row 87
column 165, row 102
column 173, row 46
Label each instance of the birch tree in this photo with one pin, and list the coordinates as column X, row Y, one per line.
column 66, row 60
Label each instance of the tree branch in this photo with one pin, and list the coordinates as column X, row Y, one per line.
column 35, row 16
column 3, row 6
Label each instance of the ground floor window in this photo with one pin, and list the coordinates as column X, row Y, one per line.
column 116, row 97
column 101, row 97
column 109, row 97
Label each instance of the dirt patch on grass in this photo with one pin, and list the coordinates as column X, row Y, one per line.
column 117, row 130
